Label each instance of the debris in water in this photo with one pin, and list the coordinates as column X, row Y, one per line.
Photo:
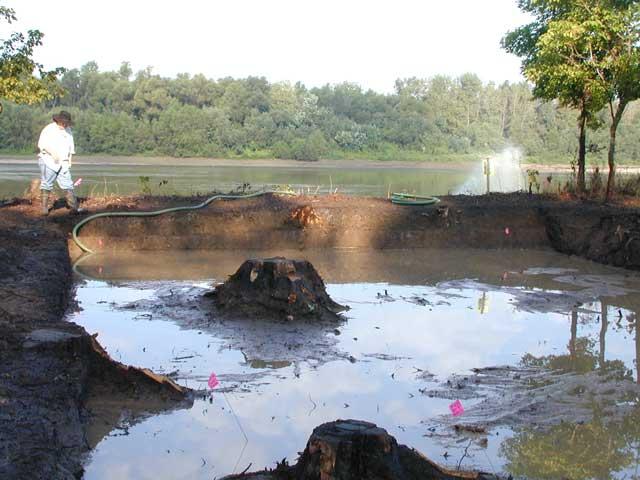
column 469, row 428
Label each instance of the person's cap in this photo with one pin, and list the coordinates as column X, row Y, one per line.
column 63, row 117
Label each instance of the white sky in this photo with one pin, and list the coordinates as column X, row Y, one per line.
column 369, row 42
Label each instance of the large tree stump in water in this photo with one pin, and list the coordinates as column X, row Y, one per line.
column 277, row 287
column 357, row 450
column 353, row 449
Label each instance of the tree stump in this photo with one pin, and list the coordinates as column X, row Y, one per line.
column 353, row 449
column 277, row 287
column 357, row 450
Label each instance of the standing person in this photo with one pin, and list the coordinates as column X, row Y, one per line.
column 56, row 149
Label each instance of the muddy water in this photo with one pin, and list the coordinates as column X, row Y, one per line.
column 416, row 318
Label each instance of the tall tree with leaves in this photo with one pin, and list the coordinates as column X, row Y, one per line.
column 554, row 62
column 17, row 67
column 617, row 63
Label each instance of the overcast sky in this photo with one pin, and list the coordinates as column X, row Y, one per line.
column 370, row 42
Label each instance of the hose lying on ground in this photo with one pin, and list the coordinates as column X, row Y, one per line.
column 154, row 213
column 409, row 199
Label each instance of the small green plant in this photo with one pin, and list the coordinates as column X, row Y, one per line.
column 243, row 189
column 532, row 179
column 595, row 182
column 144, row 182
column 628, row 185
column 284, row 189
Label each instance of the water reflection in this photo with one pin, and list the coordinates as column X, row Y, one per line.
column 582, row 355
column 605, row 447
column 594, row 450
column 410, row 327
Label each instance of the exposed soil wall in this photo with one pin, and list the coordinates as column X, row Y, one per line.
column 338, row 222
column 606, row 234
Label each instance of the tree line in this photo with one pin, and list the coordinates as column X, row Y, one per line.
column 581, row 57
column 119, row 113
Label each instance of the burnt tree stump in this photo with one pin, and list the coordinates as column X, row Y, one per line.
column 279, row 288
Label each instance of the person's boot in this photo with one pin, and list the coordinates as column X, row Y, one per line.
column 44, row 202
column 72, row 202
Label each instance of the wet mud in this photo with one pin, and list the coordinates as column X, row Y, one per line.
column 61, row 393
column 50, row 370
column 264, row 344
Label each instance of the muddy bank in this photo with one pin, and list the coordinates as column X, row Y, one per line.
column 51, row 371
column 597, row 233
column 59, row 391
column 606, row 234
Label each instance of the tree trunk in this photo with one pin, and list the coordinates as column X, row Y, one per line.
column 582, row 150
column 604, row 319
column 637, row 327
column 615, row 120
column 574, row 336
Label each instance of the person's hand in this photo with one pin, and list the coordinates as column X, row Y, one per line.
column 70, row 156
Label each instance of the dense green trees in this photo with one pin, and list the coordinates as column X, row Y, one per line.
column 123, row 113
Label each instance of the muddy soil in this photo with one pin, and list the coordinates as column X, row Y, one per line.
column 603, row 233
column 263, row 343
column 52, row 371
column 60, row 392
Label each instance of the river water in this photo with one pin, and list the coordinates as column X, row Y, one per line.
column 417, row 317
column 123, row 176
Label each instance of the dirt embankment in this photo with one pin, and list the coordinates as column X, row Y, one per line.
column 52, row 372
column 606, row 234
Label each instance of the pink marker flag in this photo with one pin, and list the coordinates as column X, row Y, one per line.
column 213, row 381
column 456, row 408
column 77, row 182
column 507, row 231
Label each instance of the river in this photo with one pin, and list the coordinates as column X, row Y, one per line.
column 165, row 176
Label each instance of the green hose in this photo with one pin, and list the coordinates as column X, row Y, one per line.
column 84, row 221
column 409, row 199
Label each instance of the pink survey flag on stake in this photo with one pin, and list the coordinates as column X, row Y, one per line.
column 77, row 182
column 213, row 381
column 456, row 408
